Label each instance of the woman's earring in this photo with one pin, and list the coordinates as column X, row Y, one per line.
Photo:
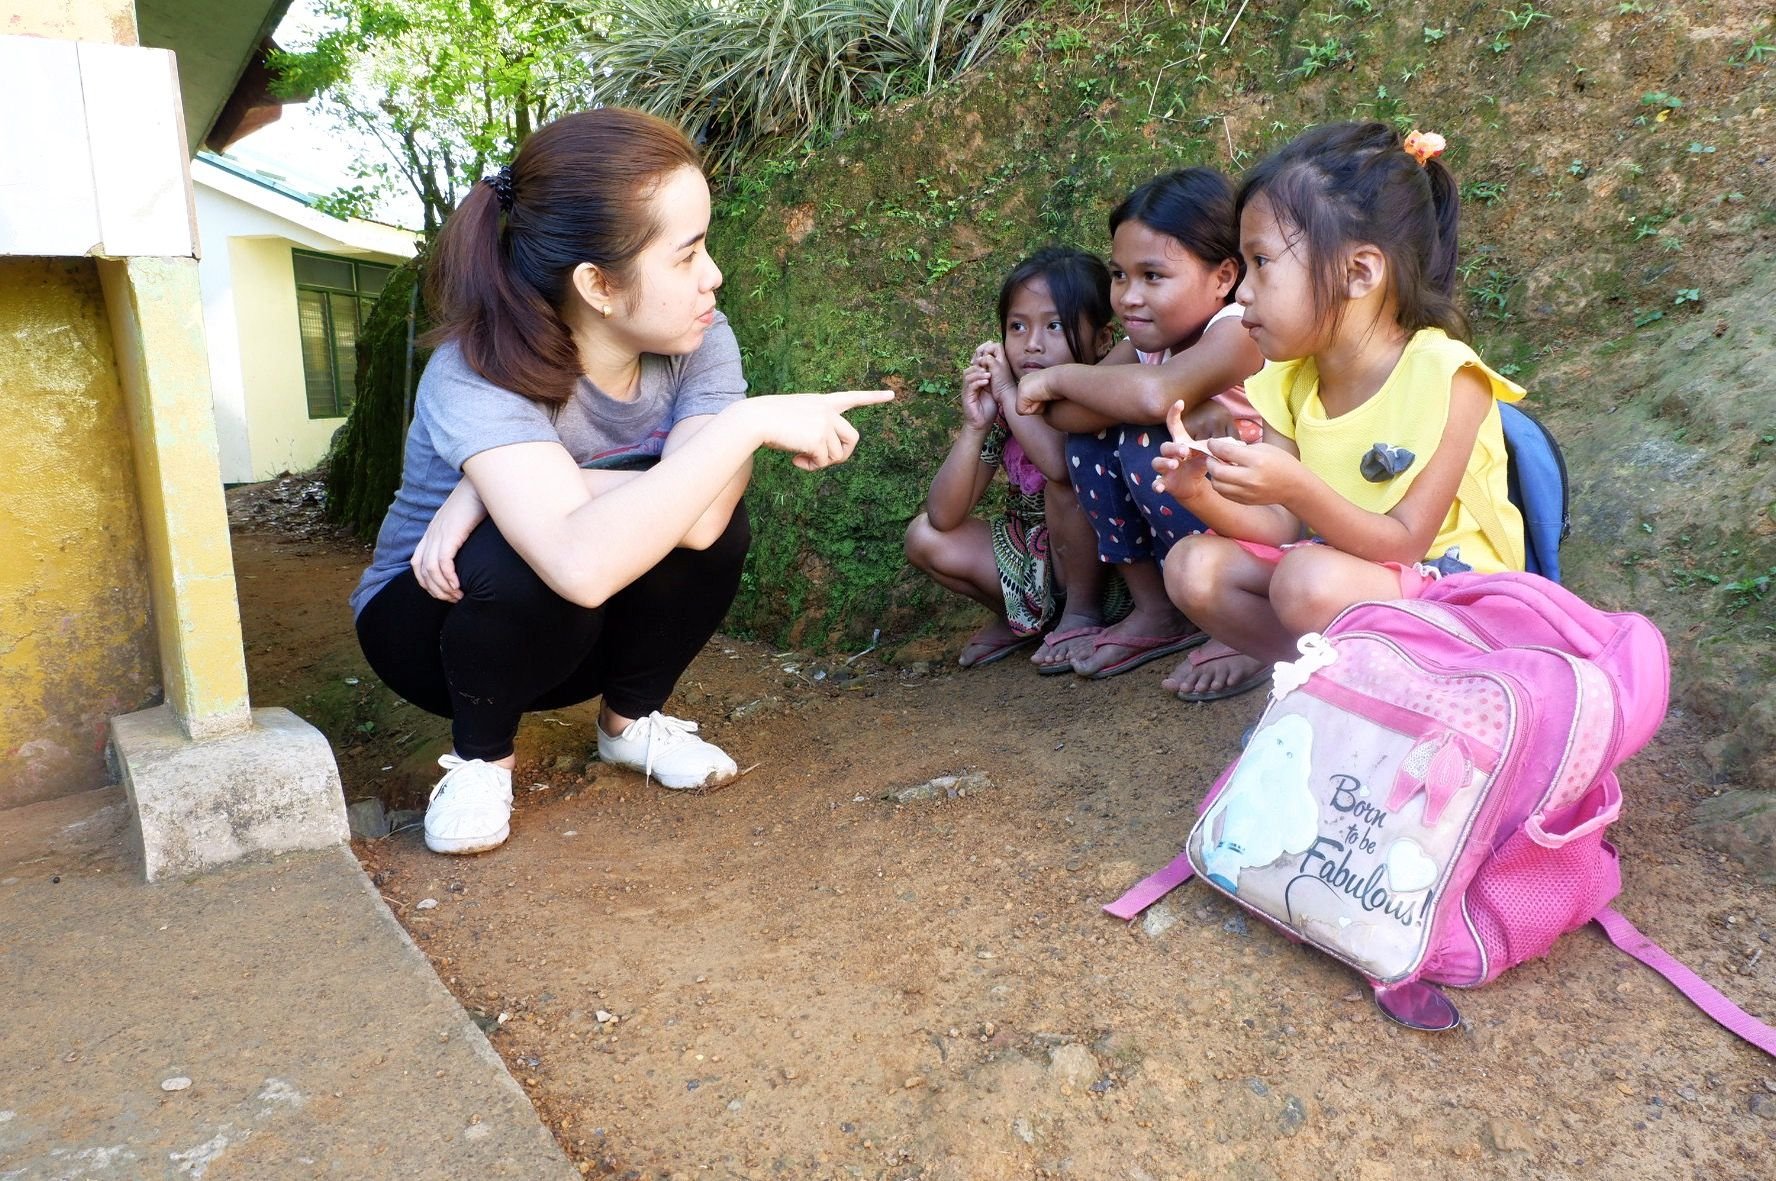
column 606, row 309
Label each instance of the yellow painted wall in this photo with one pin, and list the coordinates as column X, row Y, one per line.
column 281, row 437
column 75, row 642
column 110, row 21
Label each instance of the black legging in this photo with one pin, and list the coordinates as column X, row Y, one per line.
column 512, row 645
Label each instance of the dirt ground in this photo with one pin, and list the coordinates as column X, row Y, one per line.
column 799, row 976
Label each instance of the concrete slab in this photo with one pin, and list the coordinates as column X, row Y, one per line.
column 197, row 803
column 316, row 1038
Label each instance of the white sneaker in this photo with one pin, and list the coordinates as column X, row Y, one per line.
column 667, row 749
column 471, row 808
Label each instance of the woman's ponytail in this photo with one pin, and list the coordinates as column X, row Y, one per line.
column 507, row 332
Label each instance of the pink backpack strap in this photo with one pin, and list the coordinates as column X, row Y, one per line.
column 1735, row 1020
column 1151, row 889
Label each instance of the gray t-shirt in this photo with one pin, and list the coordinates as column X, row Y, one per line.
column 459, row 413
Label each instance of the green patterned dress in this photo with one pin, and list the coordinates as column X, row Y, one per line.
column 1020, row 540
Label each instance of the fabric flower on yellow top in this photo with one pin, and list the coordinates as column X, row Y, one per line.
column 1424, row 145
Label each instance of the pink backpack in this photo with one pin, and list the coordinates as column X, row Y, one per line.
column 1426, row 795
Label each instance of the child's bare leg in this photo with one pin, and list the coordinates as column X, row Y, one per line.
column 961, row 560
column 1154, row 617
column 1073, row 548
column 1314, row 583
column 1227, row 591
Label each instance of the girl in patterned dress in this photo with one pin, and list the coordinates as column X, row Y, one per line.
column 1174, row 262
column 1034, row 564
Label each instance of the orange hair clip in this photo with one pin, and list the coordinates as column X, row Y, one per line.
column 1424, row 145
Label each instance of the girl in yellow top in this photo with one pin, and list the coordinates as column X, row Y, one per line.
column 1382, row 438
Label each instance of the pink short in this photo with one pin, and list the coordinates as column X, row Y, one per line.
column 1413, row 579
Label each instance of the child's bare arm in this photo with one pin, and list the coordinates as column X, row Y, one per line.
column 1141, row 394
column 1046, row 446
column 1045, row 397
column 962, row 478
column 1070, row 418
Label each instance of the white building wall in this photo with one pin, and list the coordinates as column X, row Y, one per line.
column 249, row 303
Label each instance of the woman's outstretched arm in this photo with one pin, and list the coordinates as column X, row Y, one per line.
column 713, row 521
column 587, row 549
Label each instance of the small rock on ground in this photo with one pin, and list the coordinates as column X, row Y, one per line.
column 1072, row 1066
column 1294, row 1115
column 368, row 819
column 1160, row 918
column 1504, row 1135
column 942, row 787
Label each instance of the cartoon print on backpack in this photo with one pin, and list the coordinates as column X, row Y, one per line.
column 1342, row 817
column 1439, row 768
column 1268, row 810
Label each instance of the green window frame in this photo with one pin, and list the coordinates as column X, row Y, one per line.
column 334, row 296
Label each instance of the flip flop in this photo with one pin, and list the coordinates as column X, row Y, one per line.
column 1145, row 648
column 1061, row 637
column 992, row 654
column 1216, row 650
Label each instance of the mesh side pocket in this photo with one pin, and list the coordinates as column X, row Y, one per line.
column 1526, row 896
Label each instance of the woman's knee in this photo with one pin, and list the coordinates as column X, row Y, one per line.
column 731, row 547
column 716, row 565
column 490, row 571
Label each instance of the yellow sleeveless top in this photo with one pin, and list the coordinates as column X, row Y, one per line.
column 1408, row 412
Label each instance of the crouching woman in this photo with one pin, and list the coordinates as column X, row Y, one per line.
column 569, row 523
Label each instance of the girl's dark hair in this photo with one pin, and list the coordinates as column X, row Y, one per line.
column 1349, row 184
column 1193, row 205
column 498, row 280
column 1080, row 285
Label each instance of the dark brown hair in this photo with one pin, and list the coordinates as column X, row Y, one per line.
column 1080, row 285
column 1348, row 184
column 499, row 279
column 1194, row 206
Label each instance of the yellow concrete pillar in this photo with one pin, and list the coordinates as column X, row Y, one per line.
column 157, row 332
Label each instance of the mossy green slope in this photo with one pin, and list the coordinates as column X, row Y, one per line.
column 1613, row 162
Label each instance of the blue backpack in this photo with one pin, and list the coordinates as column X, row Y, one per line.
column 1536, row 484
column 1537, row 476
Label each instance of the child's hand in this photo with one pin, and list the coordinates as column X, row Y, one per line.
column 1182, row 465
column 1253, row 473
column 979, row 406
column 991, row 357
column 1035, row 392
column 1210, row 420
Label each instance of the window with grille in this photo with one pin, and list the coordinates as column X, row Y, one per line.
column 333, row 299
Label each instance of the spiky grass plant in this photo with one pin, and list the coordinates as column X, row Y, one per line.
column 743, row 74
